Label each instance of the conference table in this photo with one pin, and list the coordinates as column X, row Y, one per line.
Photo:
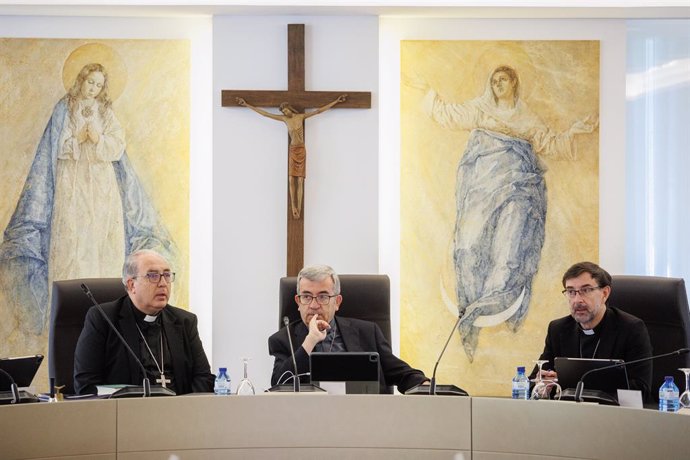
column 299, row 426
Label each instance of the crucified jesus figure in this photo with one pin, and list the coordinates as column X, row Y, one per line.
column 297, row 151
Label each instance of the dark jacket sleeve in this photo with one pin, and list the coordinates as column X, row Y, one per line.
column 396, row 371
column 200, row 372
column 279, row 348
column 637, row 345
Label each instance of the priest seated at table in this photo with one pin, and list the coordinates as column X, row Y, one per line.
column 594, row 330
column 318, row 299
column 165, row 338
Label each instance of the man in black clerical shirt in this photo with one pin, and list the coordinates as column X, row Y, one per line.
column 595, row 330
column 318, row 299
column 165, row 338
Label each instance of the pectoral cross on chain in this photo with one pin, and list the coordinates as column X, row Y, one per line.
column 163, row 380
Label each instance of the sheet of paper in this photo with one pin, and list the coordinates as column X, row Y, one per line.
column 333, row 388
column 630, row 398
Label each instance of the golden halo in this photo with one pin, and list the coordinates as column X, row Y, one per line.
column 96, row 53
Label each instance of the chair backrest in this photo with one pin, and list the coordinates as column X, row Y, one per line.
column 662, row 303
column 365, row 297
column 68, row 309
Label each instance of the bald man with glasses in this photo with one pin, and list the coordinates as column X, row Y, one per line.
column 318, row 299
column 595, row 330
column 165, row 338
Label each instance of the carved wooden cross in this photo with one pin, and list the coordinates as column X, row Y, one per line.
column 300, row 99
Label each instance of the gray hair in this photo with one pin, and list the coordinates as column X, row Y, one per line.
column 131, row 265
column 319, row 273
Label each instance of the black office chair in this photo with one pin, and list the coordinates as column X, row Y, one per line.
column 68, row 309
column 662, row 303
column 366, row 297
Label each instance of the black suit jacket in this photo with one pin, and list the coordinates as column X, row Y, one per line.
column 623, row 336
column 358, row 335
column 100, row 357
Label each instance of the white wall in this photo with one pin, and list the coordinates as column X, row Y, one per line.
column 250, row 174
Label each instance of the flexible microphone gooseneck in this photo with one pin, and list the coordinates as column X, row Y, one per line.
column 13, row 387
column 581, row 383
column 146, row 382
column 432, row 384
column 295, row 379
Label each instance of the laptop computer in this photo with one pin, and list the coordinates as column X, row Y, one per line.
column 22, row 369
column 359, row 370
column 600, row 386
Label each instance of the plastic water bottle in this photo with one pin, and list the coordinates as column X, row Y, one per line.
column 520, row 384
column 668, row 396
column 222, row 385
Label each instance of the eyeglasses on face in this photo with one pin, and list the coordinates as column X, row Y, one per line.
column 321, row 299
column 584, row 291
column 155, row 277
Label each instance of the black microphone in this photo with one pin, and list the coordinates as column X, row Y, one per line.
column 295, row 379
column 579, row 388
column 432, row 385
column 447, row 389
column 13, row 387
column 128, row 391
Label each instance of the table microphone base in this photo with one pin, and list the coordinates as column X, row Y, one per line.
column 24, row 397
column 138, row 392
column 290, row 388
column 441, row 390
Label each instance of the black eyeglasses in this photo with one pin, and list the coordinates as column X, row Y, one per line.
column 155, row 277
column 584, row 292
column 321, row 299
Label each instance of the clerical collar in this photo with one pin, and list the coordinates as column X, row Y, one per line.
column 143, row 317
column 596, row 329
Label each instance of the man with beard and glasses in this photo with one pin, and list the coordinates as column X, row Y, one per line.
column 594, row 330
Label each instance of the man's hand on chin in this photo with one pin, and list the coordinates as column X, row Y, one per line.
column 317, row 333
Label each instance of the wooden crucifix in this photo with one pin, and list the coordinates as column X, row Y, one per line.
column 293, row 102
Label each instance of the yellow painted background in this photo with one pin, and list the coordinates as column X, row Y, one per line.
column 560, row 83
column 153, row 110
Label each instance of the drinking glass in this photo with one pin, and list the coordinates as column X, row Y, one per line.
column 543, row 388
column 245, row 387
column 685, row 397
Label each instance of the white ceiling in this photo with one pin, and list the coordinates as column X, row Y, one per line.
column 430, row 8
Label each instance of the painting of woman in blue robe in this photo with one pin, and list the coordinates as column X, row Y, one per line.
column 82, row 208
column 501, row 200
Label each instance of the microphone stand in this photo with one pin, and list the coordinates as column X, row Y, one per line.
column 432, row 384
column 295, row 378
column 580, row 387
column 16, row 398
column 297, row 386
column 447, row 390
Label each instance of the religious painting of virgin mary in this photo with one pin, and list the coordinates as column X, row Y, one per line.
column 92, row 179
column 517, row 124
